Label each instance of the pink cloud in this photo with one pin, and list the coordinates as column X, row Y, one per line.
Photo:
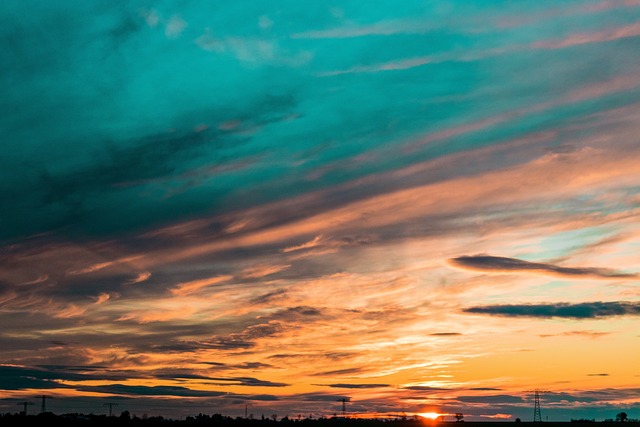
column 618, row 33
column 263, row 270
column 307, row 245
column 142, row 277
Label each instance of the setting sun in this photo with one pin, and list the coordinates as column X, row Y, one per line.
column 430, row 415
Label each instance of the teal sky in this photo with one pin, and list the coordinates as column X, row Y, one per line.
column 171, row 110
column 243, row 158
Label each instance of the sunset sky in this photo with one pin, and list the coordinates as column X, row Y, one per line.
column 418, row 206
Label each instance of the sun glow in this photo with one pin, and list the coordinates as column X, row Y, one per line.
column 430, row 415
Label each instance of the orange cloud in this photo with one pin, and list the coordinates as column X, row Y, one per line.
column 263, row 270
column 142, row 277
column 188, row 288
column 310, row 244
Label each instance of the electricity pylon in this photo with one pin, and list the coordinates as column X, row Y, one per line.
column 44, row 398
column 344, row 406
column 537, row 415
column 110, row 405
column 25, row 406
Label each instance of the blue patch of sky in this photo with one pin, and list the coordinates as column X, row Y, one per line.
column 563, row 243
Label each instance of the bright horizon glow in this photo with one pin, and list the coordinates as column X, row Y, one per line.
column 430, row 415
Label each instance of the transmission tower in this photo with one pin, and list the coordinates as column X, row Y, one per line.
column 44, row 398
column 537, row 415
column 344, row 406
column 25, row 406
column 110, row 405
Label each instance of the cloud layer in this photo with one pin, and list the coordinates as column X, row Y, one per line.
column 497, row 264
column 587, row 310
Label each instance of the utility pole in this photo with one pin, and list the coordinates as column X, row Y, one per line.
column 110, row 405
column 44, row 398
column 24, row 411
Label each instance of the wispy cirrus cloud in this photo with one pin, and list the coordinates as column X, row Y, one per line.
column 385, row 28
column 259, row 271
column 188, row 288
column 617, row 33
column 498, row 264
column 587, row 334
column 244, row 381
column 355, row 386
column 142, row 390
column 587, row 310
column 141, row 277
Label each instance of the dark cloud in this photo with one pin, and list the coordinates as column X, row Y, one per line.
column 336, row 355
column 52, row 376
column 597, row 375
column 78, row 200
column 251, row 365
column 561, row 397
column 498, row 398
column 338, row 372
column 589, row 334
column 150, row 391
column 485, row 389
column 609, row 394
column 319, row 397
column 261, row 397
column 424, row 388
column 270, row 325
column 244, row 365
column 60, row 343
column 503, row 264
column 269, row 297
column 445, row 334
column 83, row 368
column 235, row 341
column 587, row 310
column 294, row 314
column 245, row 381
column 344, row 385
column 16, row 378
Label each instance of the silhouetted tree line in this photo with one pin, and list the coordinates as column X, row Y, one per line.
column 127, row 420
column 217, row 420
